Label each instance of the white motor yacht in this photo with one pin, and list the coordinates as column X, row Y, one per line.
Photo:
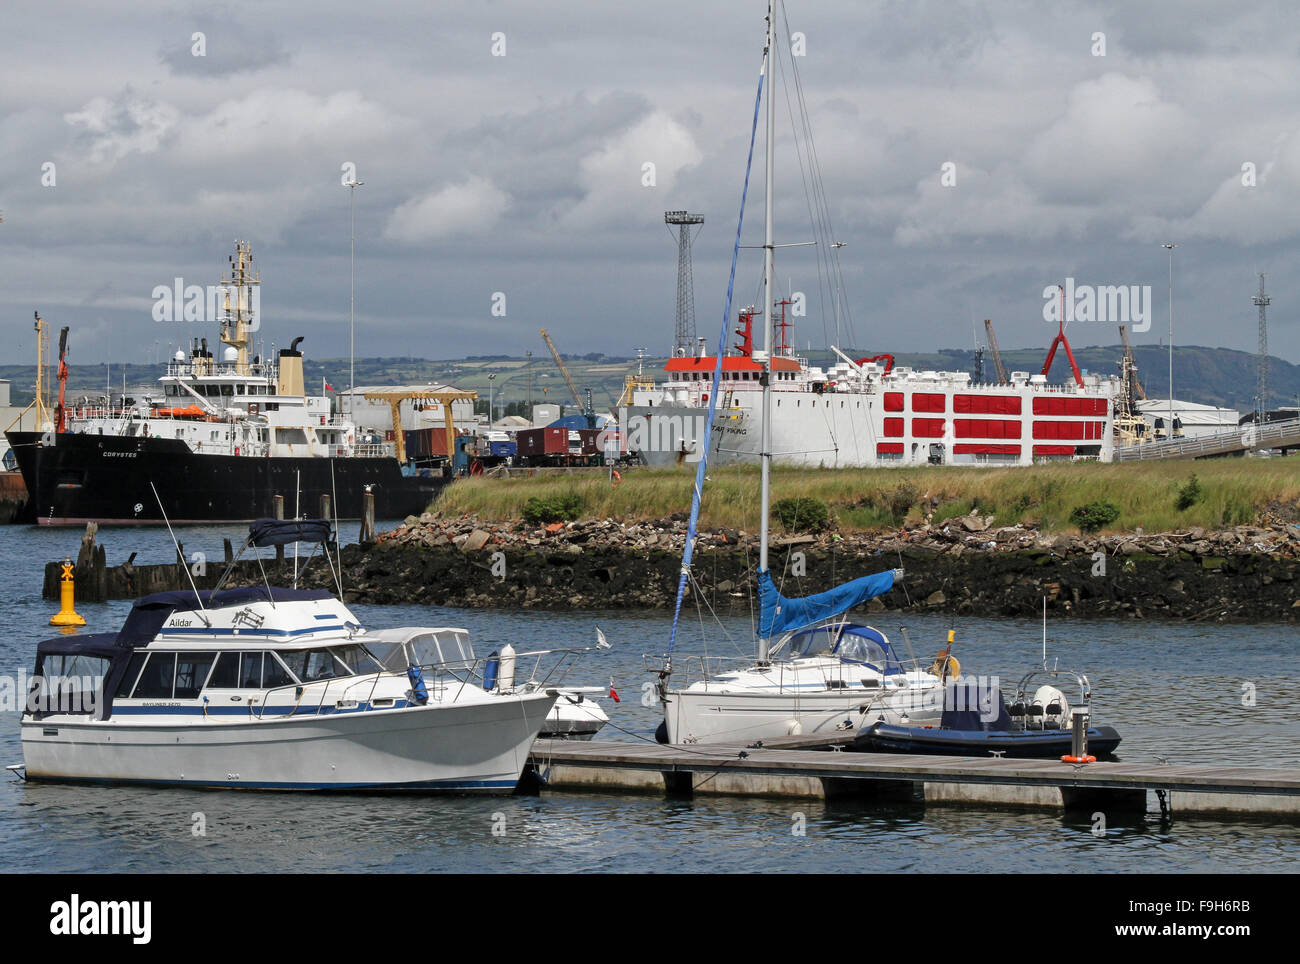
column 267, row 688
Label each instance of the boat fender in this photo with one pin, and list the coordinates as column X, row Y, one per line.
column 661, row 732
column 490, row 671
column 419, row 691
column 945, row 667
column 507, row 678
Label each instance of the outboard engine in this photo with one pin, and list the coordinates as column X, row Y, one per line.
column 1056, row 708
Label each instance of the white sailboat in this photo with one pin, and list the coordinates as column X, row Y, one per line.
column 815, row 671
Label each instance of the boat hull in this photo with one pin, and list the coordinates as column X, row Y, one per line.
column 711, row 716
column 475, row 747
column 1019, row 744
column 106, row 479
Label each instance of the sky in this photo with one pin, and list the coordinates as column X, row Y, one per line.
column 973, row 156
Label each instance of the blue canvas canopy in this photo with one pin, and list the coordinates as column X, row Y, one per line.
column 780, row 614
column 279, row 532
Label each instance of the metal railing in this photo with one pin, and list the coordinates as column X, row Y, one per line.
column 1245, row 438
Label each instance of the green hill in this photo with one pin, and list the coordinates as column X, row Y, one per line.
column 1213, row 376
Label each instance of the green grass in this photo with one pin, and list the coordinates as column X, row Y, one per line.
column 1233, row 491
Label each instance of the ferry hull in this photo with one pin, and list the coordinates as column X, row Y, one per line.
column 106, row 478
column 478, row 747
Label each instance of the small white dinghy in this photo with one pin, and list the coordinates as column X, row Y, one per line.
column 576, row 714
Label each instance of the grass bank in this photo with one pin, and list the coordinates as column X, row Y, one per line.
column 1231, row 492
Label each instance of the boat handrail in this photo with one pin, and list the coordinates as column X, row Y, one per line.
column 700, row 667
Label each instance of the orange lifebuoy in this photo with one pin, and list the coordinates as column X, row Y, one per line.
column 615, row 480
column 1078, row 759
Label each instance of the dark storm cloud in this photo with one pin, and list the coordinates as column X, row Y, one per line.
column 217, row 48
column 523, row 173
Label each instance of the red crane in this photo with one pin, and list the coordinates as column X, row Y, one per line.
column 60, row 414
column 1060, row 339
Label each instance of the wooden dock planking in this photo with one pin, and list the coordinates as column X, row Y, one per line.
column 787, row 767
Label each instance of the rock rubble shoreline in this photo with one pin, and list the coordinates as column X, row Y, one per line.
column 963, row 565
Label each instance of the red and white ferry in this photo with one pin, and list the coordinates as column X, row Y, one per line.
column 866, row 411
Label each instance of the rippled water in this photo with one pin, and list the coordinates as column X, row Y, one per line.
column 1174, row 691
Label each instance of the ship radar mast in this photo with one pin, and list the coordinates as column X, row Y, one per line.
column 240, row 318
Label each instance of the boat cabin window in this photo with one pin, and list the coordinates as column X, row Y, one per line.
column 225, row 675
column 290, row 436
column 191, row 673
column 156, row 680
column 356, row 658
column 71, row 683
column 131, row 675
column 315, row 664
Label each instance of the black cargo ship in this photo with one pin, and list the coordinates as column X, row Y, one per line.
column 105, row 478
column 226, row 439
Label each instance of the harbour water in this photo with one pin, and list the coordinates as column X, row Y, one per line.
column 1175, row 690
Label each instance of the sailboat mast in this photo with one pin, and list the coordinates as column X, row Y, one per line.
column 766, row 454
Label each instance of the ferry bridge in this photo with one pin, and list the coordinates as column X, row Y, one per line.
column 1247, row 438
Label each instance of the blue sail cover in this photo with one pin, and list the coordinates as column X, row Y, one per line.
column 779, row 614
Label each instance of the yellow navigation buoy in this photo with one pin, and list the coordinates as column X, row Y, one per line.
column 66, row 616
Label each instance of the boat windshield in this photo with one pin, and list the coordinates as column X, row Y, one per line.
column 330, row 662
column 862, row 644
column 813, row 642
column 441, row 649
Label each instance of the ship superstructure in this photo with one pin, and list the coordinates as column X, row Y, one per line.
column 866, row 412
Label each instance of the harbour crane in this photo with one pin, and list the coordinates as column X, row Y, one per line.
column 568, row 379
column 997, row 355
column 1130, row 365
column 61, row 412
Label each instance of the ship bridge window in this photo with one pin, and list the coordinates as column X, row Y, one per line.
column 227, row 390
column 290, row 436
column 239, row 389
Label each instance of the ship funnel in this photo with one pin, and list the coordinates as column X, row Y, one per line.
column 291, row 369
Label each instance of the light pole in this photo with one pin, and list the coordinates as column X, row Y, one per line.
column 1169, row 430
column 491, row 381
column 352, row 186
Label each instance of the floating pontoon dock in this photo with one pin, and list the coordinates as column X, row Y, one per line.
column 788, row 767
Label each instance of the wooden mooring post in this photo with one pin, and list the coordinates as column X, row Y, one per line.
column 367, row 534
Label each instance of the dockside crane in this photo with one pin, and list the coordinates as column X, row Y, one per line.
column 997, row 355
column 586, row 406
column 1130, row 365
column 61, row 412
